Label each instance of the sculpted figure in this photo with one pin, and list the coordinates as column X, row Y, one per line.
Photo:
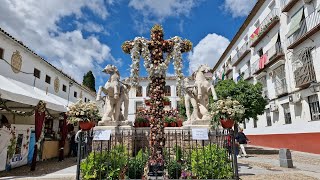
column 189, row 97
column 124, row 97
column 204, row 87
column 111, row 89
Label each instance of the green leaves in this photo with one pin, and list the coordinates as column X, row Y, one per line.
column 249, row 95
column 89, row 81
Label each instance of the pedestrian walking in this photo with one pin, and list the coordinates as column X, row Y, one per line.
column 242, row 140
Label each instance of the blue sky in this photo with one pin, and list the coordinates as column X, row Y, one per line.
column 82, row 35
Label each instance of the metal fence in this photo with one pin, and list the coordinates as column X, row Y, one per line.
column 125, row 155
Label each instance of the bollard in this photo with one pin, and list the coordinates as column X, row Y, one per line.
column 285, row 158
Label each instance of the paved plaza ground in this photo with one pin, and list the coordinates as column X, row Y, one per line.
column 262, row 163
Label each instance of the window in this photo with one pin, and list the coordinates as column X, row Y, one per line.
column 255, row 125
column 268, row 116
column 85, row 99
column 75, row 94
column 64, row 88
column 148, row 90
column 48, row 128
column 48, row 79
column 1, row 53
column 167, row 90
column 260, row 52
column 246, row 38
column 257, row 23
column 139, row 106
column 139, row 91
column 287, row 114
column 314, row 107
column 36, row 73
column 280, row 80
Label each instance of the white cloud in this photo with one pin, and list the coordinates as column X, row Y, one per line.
column 238, row 8
column 155, row 11
column 35, row 23
column 207, row 51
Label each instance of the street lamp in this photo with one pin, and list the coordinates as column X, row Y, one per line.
column 314, row 87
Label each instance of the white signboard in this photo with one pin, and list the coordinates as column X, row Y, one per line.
column 200, row 134
column 101, row 135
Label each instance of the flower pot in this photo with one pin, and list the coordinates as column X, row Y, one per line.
column 136, row 124
column 165, row 124
column 86, row 125
column 179, row 123
column 173, row 124
column 145, row 124
column 141, row 124
column 166, row 103
column 227, row 123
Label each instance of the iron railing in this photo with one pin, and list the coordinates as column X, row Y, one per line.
column 281, row 87
column 240, row 53
column 247, row 73
column 271, row 54
column 303, row 69
column 306, row 25
column 265, row 24
column 125, row 155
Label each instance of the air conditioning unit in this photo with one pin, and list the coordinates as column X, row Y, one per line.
column 307, row 1
column 273, row 107
column 295, row 98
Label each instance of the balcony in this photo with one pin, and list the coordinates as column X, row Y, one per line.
column 270, row 57
column 247, row 74
column 241, row 53
column 228, row 69
column 303, row 68
column 266, row 25
column 305, row 29
column 286, row 5
column 281, row 87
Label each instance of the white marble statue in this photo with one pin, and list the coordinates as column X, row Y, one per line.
column 112, row 100
column 189, row 97
column 199, row 93
column 124, row 97
column 204, row 87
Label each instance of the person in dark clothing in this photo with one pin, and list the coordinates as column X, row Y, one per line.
column 242, row 140
column 73, row 145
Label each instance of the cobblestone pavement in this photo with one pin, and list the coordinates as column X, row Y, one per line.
column 264, row 165
column 50, row 169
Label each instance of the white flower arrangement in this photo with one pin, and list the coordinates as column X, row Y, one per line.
column 140, row 45
column 81, row 111
column 227, row 109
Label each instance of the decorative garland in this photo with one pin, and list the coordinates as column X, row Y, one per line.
column 139, row 48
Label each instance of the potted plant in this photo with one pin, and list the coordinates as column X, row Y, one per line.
column 146, row 122
column 166, row 101
column 167, row 120
column 140, row 121
column 179, row 121
column 84, row 113
column 172, row 122
column 227, row 111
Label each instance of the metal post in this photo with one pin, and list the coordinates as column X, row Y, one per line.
column 235, row 160
column 79, row 155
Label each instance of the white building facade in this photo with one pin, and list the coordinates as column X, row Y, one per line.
column 278, row 45
column 25, row 79
column 137, row 96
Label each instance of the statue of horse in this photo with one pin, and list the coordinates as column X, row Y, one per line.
column 203, row 89
column 112, row 91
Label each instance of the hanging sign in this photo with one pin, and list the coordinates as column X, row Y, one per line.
column 200, row 134
column 101, row 135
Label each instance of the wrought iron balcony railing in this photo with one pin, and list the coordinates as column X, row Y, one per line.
column 270, row 57
column 303, row 68
column 266, row 25
column 281, row 87
column 247, row 74
column 307, row 27
column 241, row 53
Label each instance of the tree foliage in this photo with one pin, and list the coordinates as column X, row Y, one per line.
column 249, row 95
column 89, row 81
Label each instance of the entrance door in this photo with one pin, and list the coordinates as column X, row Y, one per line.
column 31, row 146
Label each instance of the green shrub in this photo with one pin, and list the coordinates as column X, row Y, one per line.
column 136, row 165
column 174, row 169
column 211, row 162
column 105, row 164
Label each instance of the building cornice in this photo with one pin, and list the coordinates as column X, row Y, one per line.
column 35, row 54
column 251, row 15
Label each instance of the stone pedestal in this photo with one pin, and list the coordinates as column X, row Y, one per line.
column 285, row 158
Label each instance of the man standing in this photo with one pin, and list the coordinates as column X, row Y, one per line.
column 242, row 140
